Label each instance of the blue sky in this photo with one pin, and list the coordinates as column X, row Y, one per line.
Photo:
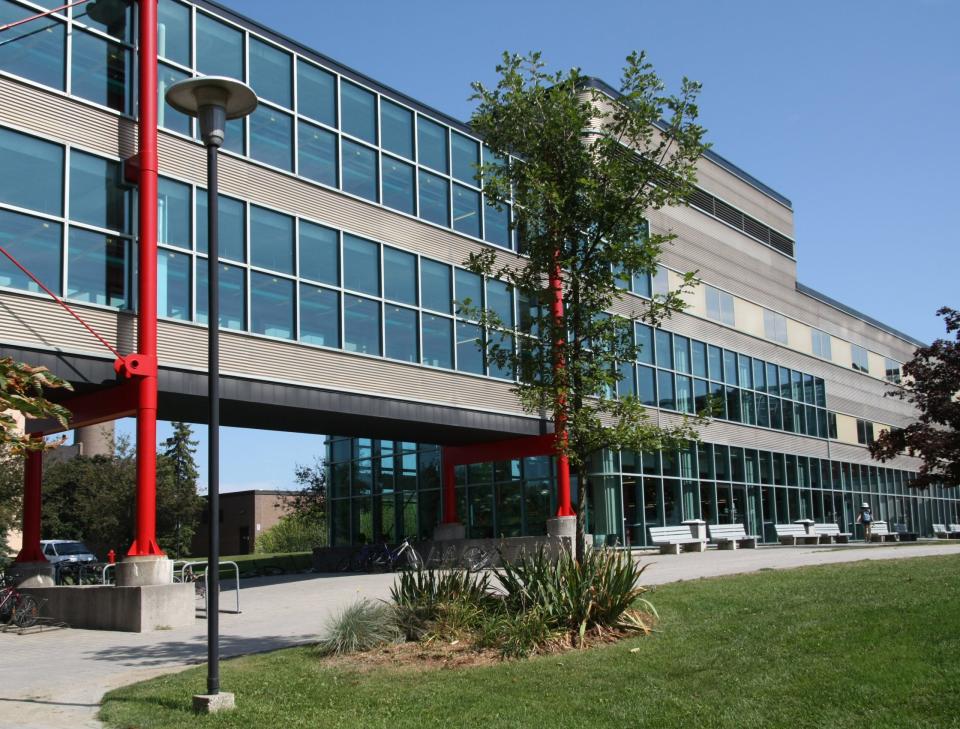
column 849, row 109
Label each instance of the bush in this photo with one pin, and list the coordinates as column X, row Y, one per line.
column 292, row 533
column 423, row 596
column 517, row 635
column 359, row 627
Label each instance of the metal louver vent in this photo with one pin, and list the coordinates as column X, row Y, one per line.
column 781, row 243
column 756, row 228
column 729, row 214
column 703, row 200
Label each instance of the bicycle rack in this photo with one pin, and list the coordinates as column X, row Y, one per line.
column 106, row 568
column 188, row 566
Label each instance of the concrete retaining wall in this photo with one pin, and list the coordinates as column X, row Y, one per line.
column 106, row 607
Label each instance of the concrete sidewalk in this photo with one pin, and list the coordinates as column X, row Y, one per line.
column 55, row 680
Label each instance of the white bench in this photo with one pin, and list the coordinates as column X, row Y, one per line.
column 880, row 533
column 829, row 533
column 941, row 531
column 795, row 534
column 672, row 538
column 955, row 528
column 731, row 536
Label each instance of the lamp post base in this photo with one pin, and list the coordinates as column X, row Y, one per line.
column 213, row 703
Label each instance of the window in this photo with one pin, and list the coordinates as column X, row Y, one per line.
column 432, row 144
column 233, row 226
column 173, row 31
column 891, row 370
column 100, row 71
column 270, row 73
column 466, row 210
column 271, row 137
column 719, row 306
column 35, row 50
column 271, row 305
column 32, row 173
column 316, row 93
column 319, row 316
column 173, row 285
column 359, row 170
column 361, row 265
column 95, row 195
column 864, row 432
column 34, row 242
column 775, row 326
column 496, row 224
column 358, row 112
column 396, row 128
column 398, row 190
column 401, row 333
column 98, row 268
column 437, row 341
column 271, row 240
column 173, row 213
column 435, row 287
column 434, row 199
column 860, row 361
column 646, row 386
column 821, row 344
column 660, row 282
column 317, row 154
column 399, row 276
column 219, row 48
column 319, row 253
column 232, row 295
column 466, row 157
column 500, row 301
column 361, row 323
column 469, row 292
column 665, row 386
column 167, row 116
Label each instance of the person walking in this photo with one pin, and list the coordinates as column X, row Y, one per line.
column 866, row 518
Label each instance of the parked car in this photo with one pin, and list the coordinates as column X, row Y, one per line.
column 66, row 550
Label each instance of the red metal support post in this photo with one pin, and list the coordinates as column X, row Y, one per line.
column 564, row 507
column 32, row 480
column 145, row 541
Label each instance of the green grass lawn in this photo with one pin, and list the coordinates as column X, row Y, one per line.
column 868, row 644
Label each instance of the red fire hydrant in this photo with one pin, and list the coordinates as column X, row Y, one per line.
column 112, row 557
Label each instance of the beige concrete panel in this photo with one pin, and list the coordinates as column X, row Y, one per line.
column 846, row 429
column 840, row 352
column 749, row 316
column 695, row 298
column 877, row 365
column 799, row 336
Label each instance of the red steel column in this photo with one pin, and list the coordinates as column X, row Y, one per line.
column 32, row 479
column 449, row 490
column 559, row 420
column 145, row 541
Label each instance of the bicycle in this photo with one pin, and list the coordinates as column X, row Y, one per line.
column 380, row 558
column 476, row 558
column 17, row 608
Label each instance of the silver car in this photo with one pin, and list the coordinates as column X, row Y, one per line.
column 66, row 550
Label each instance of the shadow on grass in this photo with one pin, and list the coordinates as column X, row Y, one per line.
column 188, row 652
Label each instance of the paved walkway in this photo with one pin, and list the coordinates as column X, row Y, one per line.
column 55, row 679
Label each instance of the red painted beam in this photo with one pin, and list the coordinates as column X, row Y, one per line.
column 101, row 406
column 32, row 480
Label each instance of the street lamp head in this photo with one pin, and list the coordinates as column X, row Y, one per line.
column 213, row 100
column 107, row 12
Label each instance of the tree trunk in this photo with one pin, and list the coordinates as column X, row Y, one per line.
column 581, row 512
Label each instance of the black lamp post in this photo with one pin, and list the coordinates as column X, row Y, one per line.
column 213, row 100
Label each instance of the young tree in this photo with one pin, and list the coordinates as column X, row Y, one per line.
column 310, row 503
column 178, row 504
column 22, row 391
column 931, row 381
column 582, row 170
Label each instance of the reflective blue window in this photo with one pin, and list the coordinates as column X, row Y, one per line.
column 173, row 213
column 271, row 137
column 466, row 157
column 100, row 71
column 400, row 332
column 432, row 144
column 271, row 72
column 643, row 336
column 32, row 172
column 699, row 350
column 97, row 268
column 437, row 341
column 120, row 23
column 95, row 196
column 232, row 299
column 469, row 292
column 36, row 244
column 167, row 116
column 219, row 48
column 434, row 199
column 684, row 394
column 469, row 348
column 664, row 349
column 647, row 386
column 466, row 211
column 399, row 276
column 665, row 386
column 233, row 226
column 627, row 385
column 316, row 93
column 34, row 50
column 496, row 225
column 398, row 185
column 506, row 344
column 500, row 301
column 681, row 353
column 361, row 325
column 233, row 139
column 317, row 154
column 271, row 240
column 715, row 362
column 319, row 316
column 435, row 286
column 173, row 285
column 396, row 128
column 361, row 265
column 358, row 112
column 271, row 305
column 641, row 284
column 319, row 253
column 359, row 170
column 173, row 31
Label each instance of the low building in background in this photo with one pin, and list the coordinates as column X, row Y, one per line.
column 244, row 516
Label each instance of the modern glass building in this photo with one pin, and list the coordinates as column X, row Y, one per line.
column 348, row 212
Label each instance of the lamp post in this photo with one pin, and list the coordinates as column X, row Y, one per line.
column 213, row 100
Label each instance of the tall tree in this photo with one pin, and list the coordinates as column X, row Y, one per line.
column 930, row 381
column 309, row 503
column 178, row 504
column 582, row 171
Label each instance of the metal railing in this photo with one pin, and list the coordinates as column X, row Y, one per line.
column 187, row 573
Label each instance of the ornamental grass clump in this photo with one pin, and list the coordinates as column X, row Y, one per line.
column 360, row 627
column 426, row 599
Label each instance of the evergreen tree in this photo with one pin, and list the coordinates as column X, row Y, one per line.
column 178, row 504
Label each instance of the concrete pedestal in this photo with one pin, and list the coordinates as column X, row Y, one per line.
column 564, row 527
column 141, row 571
column 31, row 574
column 212, row 703
column 449, row 532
